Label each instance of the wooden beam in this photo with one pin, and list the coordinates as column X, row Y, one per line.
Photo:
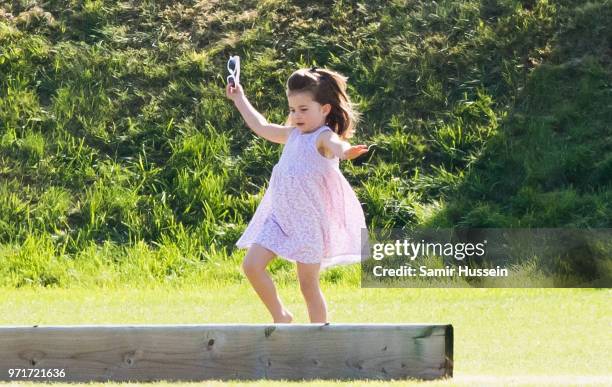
column 226, row 352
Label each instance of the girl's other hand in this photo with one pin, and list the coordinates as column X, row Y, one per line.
column 355, row 151
column 234, row 92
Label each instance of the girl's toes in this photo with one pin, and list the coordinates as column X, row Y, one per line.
column 286, row 318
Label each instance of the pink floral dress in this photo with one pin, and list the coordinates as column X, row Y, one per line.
column 309, row 213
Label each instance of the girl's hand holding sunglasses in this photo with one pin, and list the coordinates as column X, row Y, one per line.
column 233, row 89
column 233, row 67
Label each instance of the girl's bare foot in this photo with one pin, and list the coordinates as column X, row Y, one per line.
column 285, row 318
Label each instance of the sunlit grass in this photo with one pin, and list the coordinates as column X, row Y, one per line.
column 502, row 332
column 115, row 134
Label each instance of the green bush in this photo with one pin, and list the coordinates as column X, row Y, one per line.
column 115, row 131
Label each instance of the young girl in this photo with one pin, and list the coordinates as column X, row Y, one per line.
column 309, row 213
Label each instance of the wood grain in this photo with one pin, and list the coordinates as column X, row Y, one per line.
column 227, row 352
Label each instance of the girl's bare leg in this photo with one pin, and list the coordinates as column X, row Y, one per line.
column 308, row 275
column 254, row 266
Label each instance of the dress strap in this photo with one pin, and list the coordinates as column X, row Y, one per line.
column 322, row 128
column 313, row 143
column 293, row 134
column 316, row 133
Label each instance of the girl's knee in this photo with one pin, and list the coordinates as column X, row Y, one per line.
column 309, row 285
column 308, row 273
column 256, row 260
column 251, row 265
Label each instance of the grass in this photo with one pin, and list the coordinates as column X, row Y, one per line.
column 528, row 335
column 125, row 171
column 115, row 133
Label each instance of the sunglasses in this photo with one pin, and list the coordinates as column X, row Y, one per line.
column 233, row 66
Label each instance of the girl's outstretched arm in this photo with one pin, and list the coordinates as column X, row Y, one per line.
column 254, row 120
column 340, row 148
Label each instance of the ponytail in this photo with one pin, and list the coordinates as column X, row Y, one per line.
column 327, row 87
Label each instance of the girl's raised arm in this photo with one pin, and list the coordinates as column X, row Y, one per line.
column 254, row 120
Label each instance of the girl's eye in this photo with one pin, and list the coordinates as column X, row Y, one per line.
column 304, row 110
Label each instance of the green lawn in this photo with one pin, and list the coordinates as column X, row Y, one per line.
column 122, row 163
column 502, row 336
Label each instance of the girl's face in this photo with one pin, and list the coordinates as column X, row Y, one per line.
column 305, row 113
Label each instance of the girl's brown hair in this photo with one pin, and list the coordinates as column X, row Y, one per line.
column 327, row 87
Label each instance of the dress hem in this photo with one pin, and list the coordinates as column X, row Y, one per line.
column 326, row 263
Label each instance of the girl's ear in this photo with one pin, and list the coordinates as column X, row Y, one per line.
column 326, row 108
